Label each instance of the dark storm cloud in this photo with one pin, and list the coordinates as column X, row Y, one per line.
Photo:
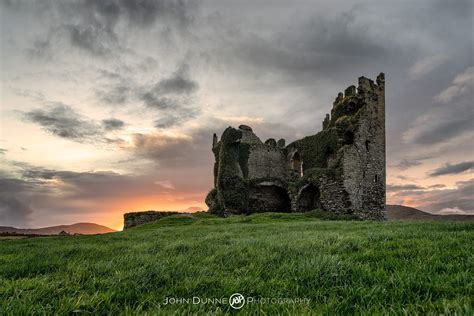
column 62, row 121
column 437, row 186
column 112, row 124
column 404, row 187
column 408, row 163
column 91, row 25
column 12, row 185
column 313, row 47
column 171, row 97
column 95, row 27
column 443, row 129
column 452, row 169
column 13, row 211
column 146, row 12
column 94, row 40
column 81, row 184
column 178, row 83
column 168, row 93
column 405, row 164
column 452, row 117
column 155, row 101
column 176, row 117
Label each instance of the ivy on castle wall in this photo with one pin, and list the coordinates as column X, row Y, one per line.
column 316, row 149
column 347, row 106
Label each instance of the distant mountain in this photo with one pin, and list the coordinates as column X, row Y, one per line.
column 192, row 209
column 400, row 212
column 79, row 228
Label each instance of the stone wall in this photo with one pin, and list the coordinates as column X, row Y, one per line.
column 266, row 161
column 137, row 218
column 364, row 162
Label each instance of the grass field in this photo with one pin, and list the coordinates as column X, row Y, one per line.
column 344, row 267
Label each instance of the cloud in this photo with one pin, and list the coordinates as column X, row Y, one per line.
column 112, row 124
column 403, row 187
column 406, row 164
column 310, row 47
column 42, row 49
column 115, row 95
column 95, row 22
column 171, row 98
column 94, row 26
column 169, row 93
column 437, row 186
column 117, row 89
column 451, row 211
column 461, row 197
column 163, row 148
column 59, row 196
column 175, row 117
column 193, row 148
column 426, row 65
column 462, row 85
column 155, row 101
column 13, row 212
column 166, row 184
column 62, row 121
column 178, row 83
column 3, row 151
column 441, row 124
column 93, row 39
column 452, row 169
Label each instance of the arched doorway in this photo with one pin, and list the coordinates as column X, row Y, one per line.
column 269, row 198
column 309, row 198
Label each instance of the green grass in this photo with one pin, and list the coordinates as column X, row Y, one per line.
column 344, row 267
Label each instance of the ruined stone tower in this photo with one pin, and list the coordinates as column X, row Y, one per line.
column 340, row 169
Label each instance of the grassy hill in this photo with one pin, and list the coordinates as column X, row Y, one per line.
column 344, row 267
column 400, row 212
column 79, row 228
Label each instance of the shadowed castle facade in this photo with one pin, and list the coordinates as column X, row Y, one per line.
column 340, row 169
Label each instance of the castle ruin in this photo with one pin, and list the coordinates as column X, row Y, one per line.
column 341, row 169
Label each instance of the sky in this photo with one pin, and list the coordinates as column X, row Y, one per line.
column 109, row 106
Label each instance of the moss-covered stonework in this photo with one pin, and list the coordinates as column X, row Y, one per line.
column 138, row 218
column 340, row 169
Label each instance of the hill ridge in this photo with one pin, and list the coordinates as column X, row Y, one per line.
column 401, row 212
column 84, row 228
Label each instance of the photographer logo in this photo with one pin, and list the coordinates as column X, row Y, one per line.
column 237, row 301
